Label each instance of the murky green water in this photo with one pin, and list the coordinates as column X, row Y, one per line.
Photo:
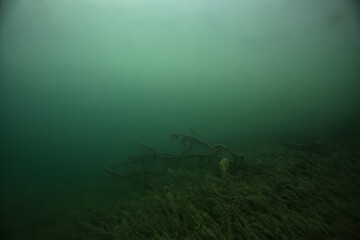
column 276, row 82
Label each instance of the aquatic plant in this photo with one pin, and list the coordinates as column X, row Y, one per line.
column 224, row 167
column 293, row 194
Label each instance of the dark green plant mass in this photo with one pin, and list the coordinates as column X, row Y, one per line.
column 292, row 194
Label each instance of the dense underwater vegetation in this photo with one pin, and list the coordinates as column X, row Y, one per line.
column 168, row 119
column 292, row 191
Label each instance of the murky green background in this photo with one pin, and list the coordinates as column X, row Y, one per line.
column 82, row 80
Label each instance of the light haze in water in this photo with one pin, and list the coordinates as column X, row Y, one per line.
column 82, row 80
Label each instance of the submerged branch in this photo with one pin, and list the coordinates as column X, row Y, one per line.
column 132, row 178
column 183, row 139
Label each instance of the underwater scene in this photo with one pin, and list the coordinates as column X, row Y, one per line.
column 179, row 119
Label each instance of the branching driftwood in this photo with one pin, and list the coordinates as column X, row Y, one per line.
column 193, row 150
column 188, row 141
column 124, row 175
column 145, row 148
